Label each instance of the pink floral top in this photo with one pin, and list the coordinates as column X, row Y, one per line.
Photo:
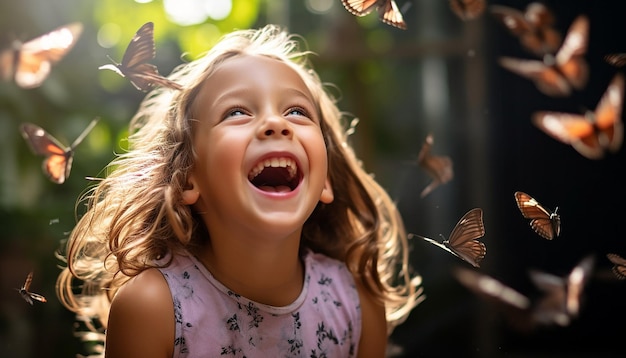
column 213, row 321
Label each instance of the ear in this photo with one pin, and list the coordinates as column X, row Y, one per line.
column 190, row 194
column 327, row 196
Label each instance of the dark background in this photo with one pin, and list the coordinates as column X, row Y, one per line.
column 439, row 76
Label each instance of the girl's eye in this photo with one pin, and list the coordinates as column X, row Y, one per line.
column 297, row 111
column 235, row 112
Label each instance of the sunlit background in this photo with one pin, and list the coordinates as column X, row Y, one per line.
column 439, row 76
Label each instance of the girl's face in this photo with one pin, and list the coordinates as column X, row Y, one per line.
column 261, row 162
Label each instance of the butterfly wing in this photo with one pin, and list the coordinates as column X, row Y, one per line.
column 391, row 15
column 576, row 281
column 513, row 19
column 467, row 9
column 25, row 291
column 547, row 79
column 37, row 56
column 616, row 59
column 436, row 243
column 570, row 57
column 551, row 308
column 619, row 265
column 58, row 159
column 573, row 129
column 608, row 115
column 542, row 221
column 438, row 167
column 463, row 239
column 360, row 7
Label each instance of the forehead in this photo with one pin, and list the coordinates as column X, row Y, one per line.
column 252, row 72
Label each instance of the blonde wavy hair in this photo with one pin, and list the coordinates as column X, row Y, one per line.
column 135, row 215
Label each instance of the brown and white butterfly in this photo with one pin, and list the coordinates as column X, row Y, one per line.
column 544, row 222
column 619, row 265
column 134, row 66
column 463, row 240
column 563, row 295
column 438, row 167
column 558, row 75
column 58, row 158
column 533, row 27
column 468, row 9
column 616, row 59
column 25, row 291
column 388, row 11
column 29, row 63
column 594, row 133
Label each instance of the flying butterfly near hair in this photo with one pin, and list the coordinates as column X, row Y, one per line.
column 134, row 66
column 30, row 63
column 468, row 9
column 463, row 240
column 25, row 291
column 533, row 27
column 619, row 265
column 544, row 222
column 593, row 133
column 58, row 158
column 388, row 11
column 558, row 75
column 438, row 167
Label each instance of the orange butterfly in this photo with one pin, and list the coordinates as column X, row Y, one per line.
column 594, row 133
column 58, row 162
column 533, row 27
column 463, row 240
column 558, row 75
column 619, row 268
column 29, row 63
column 467, row 9
column 387, row 10
column 438, row 167
column 544, row 222
column 26, row 294
column 135, row 66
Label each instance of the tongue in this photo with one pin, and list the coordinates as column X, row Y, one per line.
column 276, row 189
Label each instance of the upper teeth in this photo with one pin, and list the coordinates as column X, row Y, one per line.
column 278, row 162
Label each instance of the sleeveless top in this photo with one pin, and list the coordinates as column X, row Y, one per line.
column 213, row 321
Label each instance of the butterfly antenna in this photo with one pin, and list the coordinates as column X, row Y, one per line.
column 85, row 132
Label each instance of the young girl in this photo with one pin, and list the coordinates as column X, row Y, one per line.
column 240, row 222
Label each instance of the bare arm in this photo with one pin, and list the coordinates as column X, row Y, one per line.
column 373, row 342
column 141, row 320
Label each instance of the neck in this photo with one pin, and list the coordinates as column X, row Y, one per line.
column 265, row 271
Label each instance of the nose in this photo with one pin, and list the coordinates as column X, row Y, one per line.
column 274, row 126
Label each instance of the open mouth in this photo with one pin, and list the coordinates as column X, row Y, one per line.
column 278, row 174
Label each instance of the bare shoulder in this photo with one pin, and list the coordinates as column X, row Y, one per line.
column 373, row 342
column 141, row 320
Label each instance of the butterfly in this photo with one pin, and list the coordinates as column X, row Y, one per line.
column 534, row 27
column 463, row 240
column 619, row 268
column 616, row 59
column 387, row 10
column 29, row 63
column 557, row 75
column 467, row 9
column 563, row 295
column 594, row 133
column 135, row 66
column 544, row 222
column 26, row 294
column 438, row 167
column 58, row 161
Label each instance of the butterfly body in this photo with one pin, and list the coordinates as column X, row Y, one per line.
column 134, row 66
column 557, row 75
column 58, row 158
column 591, row 134
column 544, row 222
column 28, row 296
column 388, row 11
column 463, row 240
column 29, row 63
